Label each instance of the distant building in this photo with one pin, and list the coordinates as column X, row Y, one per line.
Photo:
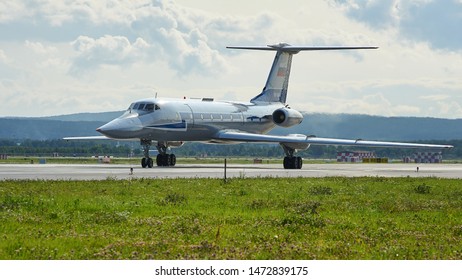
column 357, row 156
column 407, row 159
column 428, row 157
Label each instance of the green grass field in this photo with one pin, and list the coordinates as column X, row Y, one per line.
column 262, row 218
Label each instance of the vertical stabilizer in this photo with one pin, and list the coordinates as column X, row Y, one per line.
column 275, row 89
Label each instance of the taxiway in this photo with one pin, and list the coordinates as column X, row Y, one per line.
column 122, row 171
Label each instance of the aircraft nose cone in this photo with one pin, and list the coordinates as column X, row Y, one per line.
column 110, row 126
column 105, row 128
column 120, row 128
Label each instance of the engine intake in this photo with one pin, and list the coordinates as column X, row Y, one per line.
column 286, row 117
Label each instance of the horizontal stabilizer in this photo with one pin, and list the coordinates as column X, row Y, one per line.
column 295, row 49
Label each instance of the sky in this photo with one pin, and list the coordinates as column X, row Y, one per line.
column 64, row 57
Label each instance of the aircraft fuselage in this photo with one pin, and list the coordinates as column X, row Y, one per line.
column 189, row 120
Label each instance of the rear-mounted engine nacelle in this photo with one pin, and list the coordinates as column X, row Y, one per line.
column 286, row 117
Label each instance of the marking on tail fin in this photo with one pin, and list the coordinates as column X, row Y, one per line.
column 282, row 71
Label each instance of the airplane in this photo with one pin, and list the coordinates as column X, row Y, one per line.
column 166, row 122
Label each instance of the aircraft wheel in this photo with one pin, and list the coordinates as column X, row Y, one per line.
column 172, row 160
column 163, row 160
column 166, row 160
column 149, row 162
column 299, row 162
column 159, row 160
column 287, row 163
column 293, row 162
column 144, row 163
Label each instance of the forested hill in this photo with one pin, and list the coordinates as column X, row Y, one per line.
column 321, row 125
column 376, row 127
column 54, row 127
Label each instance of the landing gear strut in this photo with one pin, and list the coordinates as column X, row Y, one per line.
column 291, row 161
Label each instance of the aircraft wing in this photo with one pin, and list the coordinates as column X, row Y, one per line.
column 312, row 140
column 100, row 137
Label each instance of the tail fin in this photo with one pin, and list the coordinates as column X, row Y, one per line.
column 275, row 89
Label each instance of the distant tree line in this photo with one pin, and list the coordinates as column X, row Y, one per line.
column 62, row 148
column 125, row 149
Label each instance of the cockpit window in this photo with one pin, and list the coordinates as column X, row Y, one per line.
column 149, row 107
column 144, row 107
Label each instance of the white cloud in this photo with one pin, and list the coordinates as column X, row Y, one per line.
column 73, row 56
column 435, row 22
column 12, row 9
column 439, row 97
column 109, row 50
column 3, row 57
column 39, row 48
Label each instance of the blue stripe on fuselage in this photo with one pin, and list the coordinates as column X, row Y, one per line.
column 170, row 126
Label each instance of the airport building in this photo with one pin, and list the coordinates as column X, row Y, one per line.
column 357, row 156
column 428, row 157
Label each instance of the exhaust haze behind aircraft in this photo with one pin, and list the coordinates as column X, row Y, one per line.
column 171, row 122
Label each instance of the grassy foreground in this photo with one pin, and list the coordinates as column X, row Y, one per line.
column 263, row 218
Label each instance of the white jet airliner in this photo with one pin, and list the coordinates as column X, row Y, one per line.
column 171, row 122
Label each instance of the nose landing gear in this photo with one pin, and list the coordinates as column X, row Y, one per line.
column 146, row 161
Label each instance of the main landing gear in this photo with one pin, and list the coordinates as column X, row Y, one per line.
column 291, row 161
column 163, row 159
column 166, row 160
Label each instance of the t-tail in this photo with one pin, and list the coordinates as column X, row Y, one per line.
column 276, row 86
